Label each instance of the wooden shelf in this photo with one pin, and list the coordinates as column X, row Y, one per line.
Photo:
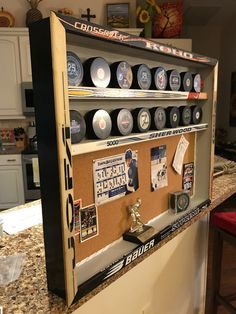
column 88, row 146
column 116, row 93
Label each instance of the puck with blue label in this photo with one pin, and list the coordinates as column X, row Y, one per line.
column 196, row 114
column 172, row 117
column 77, row 127
column 98, row 124
column 142, row 120
column 158, row 118
column 142, row 77
column 186, row 81
column 75, row 70
column 159, row 78
column 122, row 122
column 96, row 72
column 185, row 115
column 174, row 80
column 197, row 83
column 121, row 75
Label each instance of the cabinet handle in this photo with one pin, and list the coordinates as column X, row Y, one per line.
column 11, row 159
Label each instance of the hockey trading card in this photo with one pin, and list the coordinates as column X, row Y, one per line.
column 188, row 176
column 77, row 206
column 88, row 222
column 158, row 168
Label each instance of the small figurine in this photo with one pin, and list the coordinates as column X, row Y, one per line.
column 137, row 224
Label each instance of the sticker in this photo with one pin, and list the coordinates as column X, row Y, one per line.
column 88, row 222
column 158, row 168
column 188, row 176
column 77, row 206
column 179, row 155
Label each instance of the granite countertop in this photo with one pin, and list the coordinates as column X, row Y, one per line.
column 29, row 293
column 10, row 150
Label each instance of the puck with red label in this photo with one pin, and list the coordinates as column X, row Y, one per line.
column 159, row 78
column 121, row 75
column 185, row 115
column 142, row 120
column 122, row 122
column 196, row 114
column 186, row 81
column 172, row 117
column 77, row 127
column 174, row 80
column 98, row 124
column 96, row 72
column 75, row 69
column 142, row 77
column 158, row 118
column 197, row 83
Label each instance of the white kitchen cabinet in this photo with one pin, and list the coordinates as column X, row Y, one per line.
column 11, row 181
column 26, row 73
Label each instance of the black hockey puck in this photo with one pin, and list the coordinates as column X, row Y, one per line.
column 174, row 80
column 75, row 70
column 158, row 118
column 197, row 83
column 96, row 72
column 77, row 127
column 98, row 124
column 186, row 81
column 121, row 75
column 172, row 117
column 196, row 114
column 122, row 122
column 185, row 115
column 142, row 120
column 159, row 78
column 142, row 77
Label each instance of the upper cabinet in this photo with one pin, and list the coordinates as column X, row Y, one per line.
column 15, row 68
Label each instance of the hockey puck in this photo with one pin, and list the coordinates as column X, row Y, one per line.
column 98, row 124
column 142, row 120
column 185, row 115
column 158, row 118
column 172, row 117
column 196, row 114
column 96, row 72
column 75, row 70
column 186, row 81
column 159, row 78
column 174, row 80
column 197, row 83
column 121, row 75
column 77, row 127
column 122, row 122
column 142, row 77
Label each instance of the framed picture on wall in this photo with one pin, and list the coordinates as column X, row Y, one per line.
column 232, row 117
column 118, row 15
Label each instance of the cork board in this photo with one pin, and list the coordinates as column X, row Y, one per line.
column 113, row 218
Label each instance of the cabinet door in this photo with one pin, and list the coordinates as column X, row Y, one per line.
column 26, row 73
column 10, row 89
column 11, row 186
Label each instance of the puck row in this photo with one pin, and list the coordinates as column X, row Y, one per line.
column 97, row 72
column 99, row 124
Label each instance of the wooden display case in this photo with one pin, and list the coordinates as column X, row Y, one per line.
column 74, row 268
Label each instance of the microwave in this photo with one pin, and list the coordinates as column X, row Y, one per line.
column 27, row 98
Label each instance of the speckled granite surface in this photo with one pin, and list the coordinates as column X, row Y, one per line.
column 29, row 293
column 10, row 150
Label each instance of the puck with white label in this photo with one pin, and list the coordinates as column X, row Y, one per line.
column 142, row 77
column 158, row 118
column 196, row 114
column 159, row 78
column 172, row 117
column 77, row 127
column 96, row 72
column 197, row 83
column 186, row 81
column 142, row 120
column 179, row 201
column 75, row 70
column 121, row 75
column 185, row 115
column 98, row 124
column 174, row 80
column 122, row 122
